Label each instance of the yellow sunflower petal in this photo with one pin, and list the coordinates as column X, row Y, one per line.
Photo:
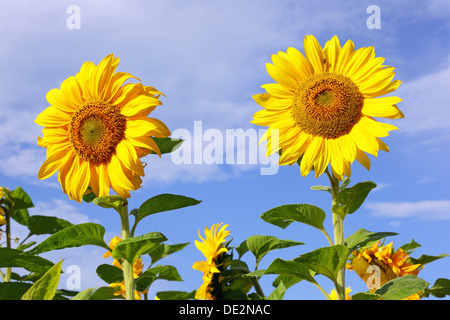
column 314, row 53
column 382, row 107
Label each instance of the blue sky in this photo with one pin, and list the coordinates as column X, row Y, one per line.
column 208, row 58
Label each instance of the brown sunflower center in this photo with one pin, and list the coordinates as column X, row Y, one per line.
column 95, row 131
column 327, row 105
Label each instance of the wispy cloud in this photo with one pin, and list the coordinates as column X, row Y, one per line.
column 60, row 209
column 425, row 102
column 424, row 210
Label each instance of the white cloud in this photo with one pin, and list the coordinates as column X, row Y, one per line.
column 425, row 102
column 60, row 209
column 426, row 210
column 164, row 171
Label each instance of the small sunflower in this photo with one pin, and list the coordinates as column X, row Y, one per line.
column 97, row 128
column 391, row 264
column 2, row 211
column 3, row 191
column 212, row 247
column 322, row 106
column 138, row 266
column 333, row 294
column 112, row 244
column 2, row 217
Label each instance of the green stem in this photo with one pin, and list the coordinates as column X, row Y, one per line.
column 322, row 290
column 7, row 276
column 254, row 280
column 328, row 237
column 127, row 267
column 338, row 228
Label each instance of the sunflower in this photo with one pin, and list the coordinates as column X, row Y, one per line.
column 213, row 249
column 3, row 191
column 2, row 217
column 333, row 294
column 120, row 286
column 392, row 264
column 322, row 106
column 97, row 128
column 138, row 266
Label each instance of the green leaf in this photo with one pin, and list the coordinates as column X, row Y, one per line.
column 365, row 296
column 441, row 288
column 278, row 293
column 89, row 197
column 85, row 294
column 115, row 202
column 20, row 200
column 105, row 293
column 175, row 295
column 424, row 259
column 362, row 237
column 350, row 199
column 16, row 258
column 256, row 274
column 284, row 215
column 321, row 188
column 169, row 273
column 109, row 273
column 326, row 261
column 73, row 236
column 164, row 202
column 45, row 287
column 344, row 184
column 292, row 268
column 46, row 225
column 402, row 287
column 13, row 290
column 167, row 145
column 163, row 250
column 21, row 216
column 132, row 248
column 288, row 281
column 242, row 248
column 411, row 246
column 261, row 245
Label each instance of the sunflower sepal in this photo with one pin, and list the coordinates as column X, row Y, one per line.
column 113, row 201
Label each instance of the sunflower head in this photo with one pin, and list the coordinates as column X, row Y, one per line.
column 97, row 128
column 214, row 249
column 391, row 264
column 323, row 104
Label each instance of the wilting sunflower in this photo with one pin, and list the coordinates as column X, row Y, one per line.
column 97, row 128
column 391, row 264
column 212, row 247
column 322, row 106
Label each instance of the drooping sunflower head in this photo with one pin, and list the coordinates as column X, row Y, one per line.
column 213, row 248
column 391, row 264
column 322, row 106
column 97, row 128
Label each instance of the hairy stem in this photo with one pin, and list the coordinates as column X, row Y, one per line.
column 338, row 228
column 127, row 267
